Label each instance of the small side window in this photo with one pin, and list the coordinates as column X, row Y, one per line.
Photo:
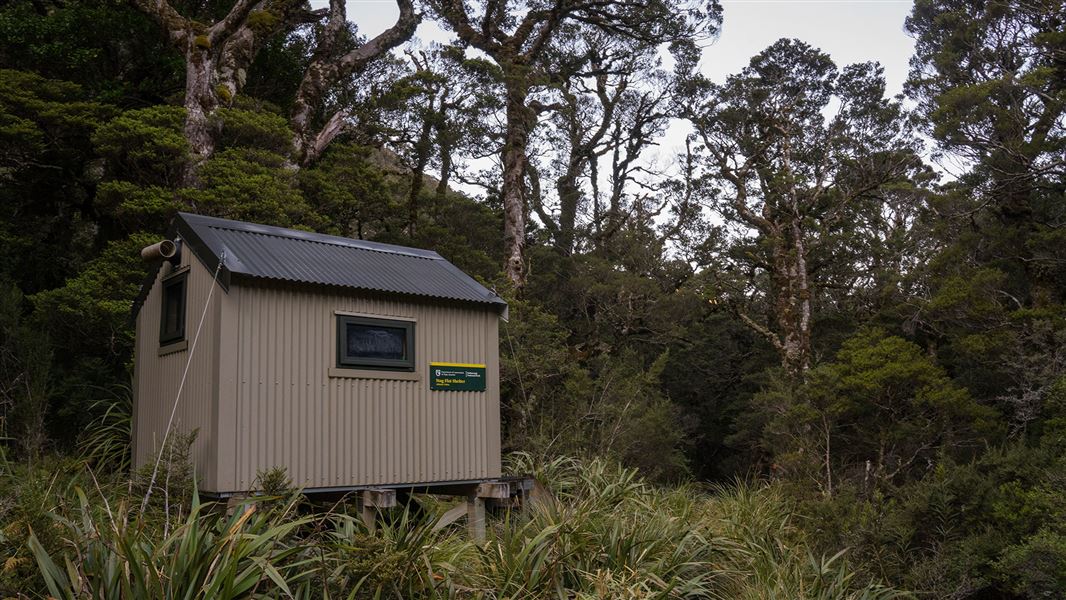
column 383, row 344
column 172, row 315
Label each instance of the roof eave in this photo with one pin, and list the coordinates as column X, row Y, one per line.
column 495, row 302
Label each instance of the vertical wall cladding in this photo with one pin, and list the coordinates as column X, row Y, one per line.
column 157, row 377
column 294, row 411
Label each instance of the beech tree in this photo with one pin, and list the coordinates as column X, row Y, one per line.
column 988, row 78
column 521, row 38
column 218, row 55
column 611, row 108
column 788, row 180
column 443, row 111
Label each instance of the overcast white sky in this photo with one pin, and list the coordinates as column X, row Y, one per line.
column 849, row 30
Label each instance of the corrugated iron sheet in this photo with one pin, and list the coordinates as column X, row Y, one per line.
column 157, row 377
column 283, row 405
column 276, row 253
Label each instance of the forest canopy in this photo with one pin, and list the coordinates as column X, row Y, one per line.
column 800, row 294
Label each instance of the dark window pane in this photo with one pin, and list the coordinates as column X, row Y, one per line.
column 172, row 308
column 375, row 341
column 172, row 326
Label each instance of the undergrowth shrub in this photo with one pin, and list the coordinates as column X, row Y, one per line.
column 169, row 487
column 406, row 557
column 965, row 530
column 598, row 530
column 28, row 500
column 767, row 555
column 274, row 482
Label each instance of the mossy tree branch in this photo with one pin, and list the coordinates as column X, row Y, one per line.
column 217, row 58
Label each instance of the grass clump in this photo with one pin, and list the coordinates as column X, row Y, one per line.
column 597, row 531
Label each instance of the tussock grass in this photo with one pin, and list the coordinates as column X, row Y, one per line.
column 107, row 441
column 603, row 533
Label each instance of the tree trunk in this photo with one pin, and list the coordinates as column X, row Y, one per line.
column 794, row 314
column 312, row 88
column 445, row 172
column 1014, row 188
column 423, row 148
column 792, row 304
column 201, row 100
column 216, row 61
column 827, row 434
column 569, row 198
column 326, row 70
column 520, row 121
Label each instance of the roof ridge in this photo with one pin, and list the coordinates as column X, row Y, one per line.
column 339, row 241
column 307, row 236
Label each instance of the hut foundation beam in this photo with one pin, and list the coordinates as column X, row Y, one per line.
column 370, row 501
column 369, row 514
column 475, row 518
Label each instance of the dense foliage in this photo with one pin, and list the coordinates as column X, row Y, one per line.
column 803, row 296
column 603, row 532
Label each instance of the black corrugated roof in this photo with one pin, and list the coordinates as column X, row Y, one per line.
column 276, row 253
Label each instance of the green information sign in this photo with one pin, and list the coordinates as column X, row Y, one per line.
column 457, row 377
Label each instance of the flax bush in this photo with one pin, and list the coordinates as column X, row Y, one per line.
column 597, row 531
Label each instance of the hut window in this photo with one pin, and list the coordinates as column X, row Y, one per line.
column 172, row 321
column 366, row 343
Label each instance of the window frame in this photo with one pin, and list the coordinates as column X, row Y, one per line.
column 375, row 364
column 179, row 278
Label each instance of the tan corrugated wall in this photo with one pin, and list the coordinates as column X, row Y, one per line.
column 330, row 431
column 156, row 378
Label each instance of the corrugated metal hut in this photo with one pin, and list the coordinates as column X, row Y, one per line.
column 349, row 363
